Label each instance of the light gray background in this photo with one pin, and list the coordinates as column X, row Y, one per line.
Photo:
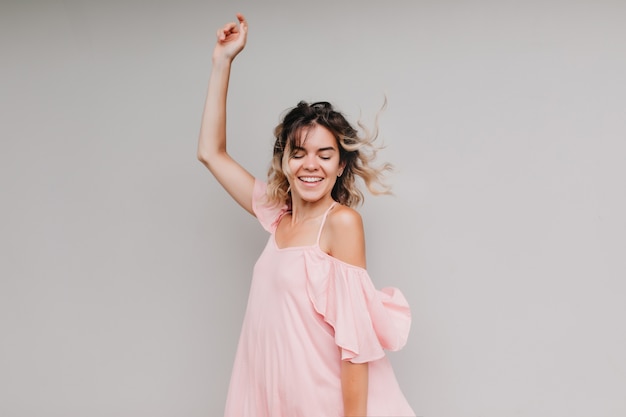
column 125, row 268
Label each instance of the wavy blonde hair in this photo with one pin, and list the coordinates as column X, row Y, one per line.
column 356, row 151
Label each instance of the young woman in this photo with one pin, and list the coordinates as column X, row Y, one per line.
column 315, row 327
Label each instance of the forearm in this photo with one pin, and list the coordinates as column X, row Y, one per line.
column 354, row 382
column 212, row 139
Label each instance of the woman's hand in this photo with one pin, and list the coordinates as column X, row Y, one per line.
column 231, row 39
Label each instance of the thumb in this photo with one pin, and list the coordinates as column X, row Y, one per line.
column 243, row 23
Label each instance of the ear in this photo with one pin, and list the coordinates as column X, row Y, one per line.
column 342, row 166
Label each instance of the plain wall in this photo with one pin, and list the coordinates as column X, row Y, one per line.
column 125, row 267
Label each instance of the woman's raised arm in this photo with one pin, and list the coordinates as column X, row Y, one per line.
column 238, row 182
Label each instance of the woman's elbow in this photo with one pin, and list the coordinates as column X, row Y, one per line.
column 207, row 158
column 203, row 157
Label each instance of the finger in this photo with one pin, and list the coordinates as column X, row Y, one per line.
column 226, row 30
column 229, row 26
column 242, row 21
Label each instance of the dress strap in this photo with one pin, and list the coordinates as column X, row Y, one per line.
column 319, row 233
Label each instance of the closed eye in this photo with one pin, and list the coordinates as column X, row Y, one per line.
column 326, row 153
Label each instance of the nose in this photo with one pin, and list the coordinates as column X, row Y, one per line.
column 310, row 163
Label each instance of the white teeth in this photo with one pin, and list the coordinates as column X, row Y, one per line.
column 310, row 179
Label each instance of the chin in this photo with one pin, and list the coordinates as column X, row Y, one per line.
column 312, row 197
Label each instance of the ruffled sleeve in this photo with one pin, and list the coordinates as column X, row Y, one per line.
column 267, row 214
column 365, row 320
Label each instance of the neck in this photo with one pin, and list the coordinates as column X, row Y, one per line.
column 303, row 210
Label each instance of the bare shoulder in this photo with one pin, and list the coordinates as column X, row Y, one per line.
column 343, row 219
column 344, row 237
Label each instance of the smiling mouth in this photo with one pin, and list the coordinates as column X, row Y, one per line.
column 310, row 179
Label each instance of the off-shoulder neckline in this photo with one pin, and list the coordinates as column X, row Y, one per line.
column 314, row 247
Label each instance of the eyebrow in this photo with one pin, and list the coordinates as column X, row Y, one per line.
column 328, row 148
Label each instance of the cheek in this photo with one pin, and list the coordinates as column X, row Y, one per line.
column 292, row 165
column 332, row 166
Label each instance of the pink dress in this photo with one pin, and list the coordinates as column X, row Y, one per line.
column 303, row 309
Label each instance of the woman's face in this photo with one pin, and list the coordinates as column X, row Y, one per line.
column 314, row 165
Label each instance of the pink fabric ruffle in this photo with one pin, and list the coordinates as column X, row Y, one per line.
column 267, row 214
column 365, row 320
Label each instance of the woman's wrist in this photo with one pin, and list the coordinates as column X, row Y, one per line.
column 222, row 62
